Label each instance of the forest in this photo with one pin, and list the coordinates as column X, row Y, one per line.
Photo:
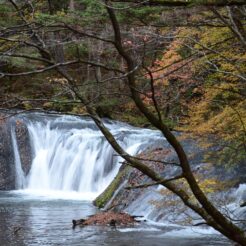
column 178, row 67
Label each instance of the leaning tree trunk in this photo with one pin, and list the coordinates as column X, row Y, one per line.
column 229, row 229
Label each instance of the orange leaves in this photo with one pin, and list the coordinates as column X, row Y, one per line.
column 172, row 66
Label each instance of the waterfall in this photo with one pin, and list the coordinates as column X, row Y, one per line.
column 71, row 155
column 19, row 174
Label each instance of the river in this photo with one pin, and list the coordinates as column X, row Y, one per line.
column 27, row 219
column 71, row 164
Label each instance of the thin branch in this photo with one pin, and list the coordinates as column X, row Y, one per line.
column 162, row 182
column 153, row 92
column 156, row 161
column 83, row 33
column 38, row 70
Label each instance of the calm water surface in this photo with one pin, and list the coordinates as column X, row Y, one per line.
column 29, row 220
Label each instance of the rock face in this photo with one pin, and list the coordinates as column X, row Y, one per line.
column 159, row 204
column 7, row 166
column 7, row 161
column 24, row 146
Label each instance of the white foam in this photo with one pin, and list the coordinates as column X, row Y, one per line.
column 161, row 224
column 56, row 195
column 192, row 232
column 138, row 229
column 240, row 191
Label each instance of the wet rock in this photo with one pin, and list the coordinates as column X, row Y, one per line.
column 107, row 218
column 160, row 204
column 243, row 204
column 7, row 166
column 120, row 198
column 243, row 199
column 105, row 197
column 24, row 146
column 7, row 161
column 78, row 222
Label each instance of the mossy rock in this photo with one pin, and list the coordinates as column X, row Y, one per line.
column 103, row 198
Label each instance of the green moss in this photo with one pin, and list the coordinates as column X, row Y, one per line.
column 102, row 199
column 133, row 119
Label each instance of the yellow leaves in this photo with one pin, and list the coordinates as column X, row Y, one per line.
column 27, row 105
column 209, row 36
column 171, row 55
column 170, row 66
column 209, row 185
column 165, row 192
column 221, row 111
column 212, row 185
column 57, row 80
column 129, row 106
column 167, row 203
column 219, row 107
column 61, row 13
column 79, row 110
column 47, row 105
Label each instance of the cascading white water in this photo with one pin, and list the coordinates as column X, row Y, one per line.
column 19, row 174
column 71, row 155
